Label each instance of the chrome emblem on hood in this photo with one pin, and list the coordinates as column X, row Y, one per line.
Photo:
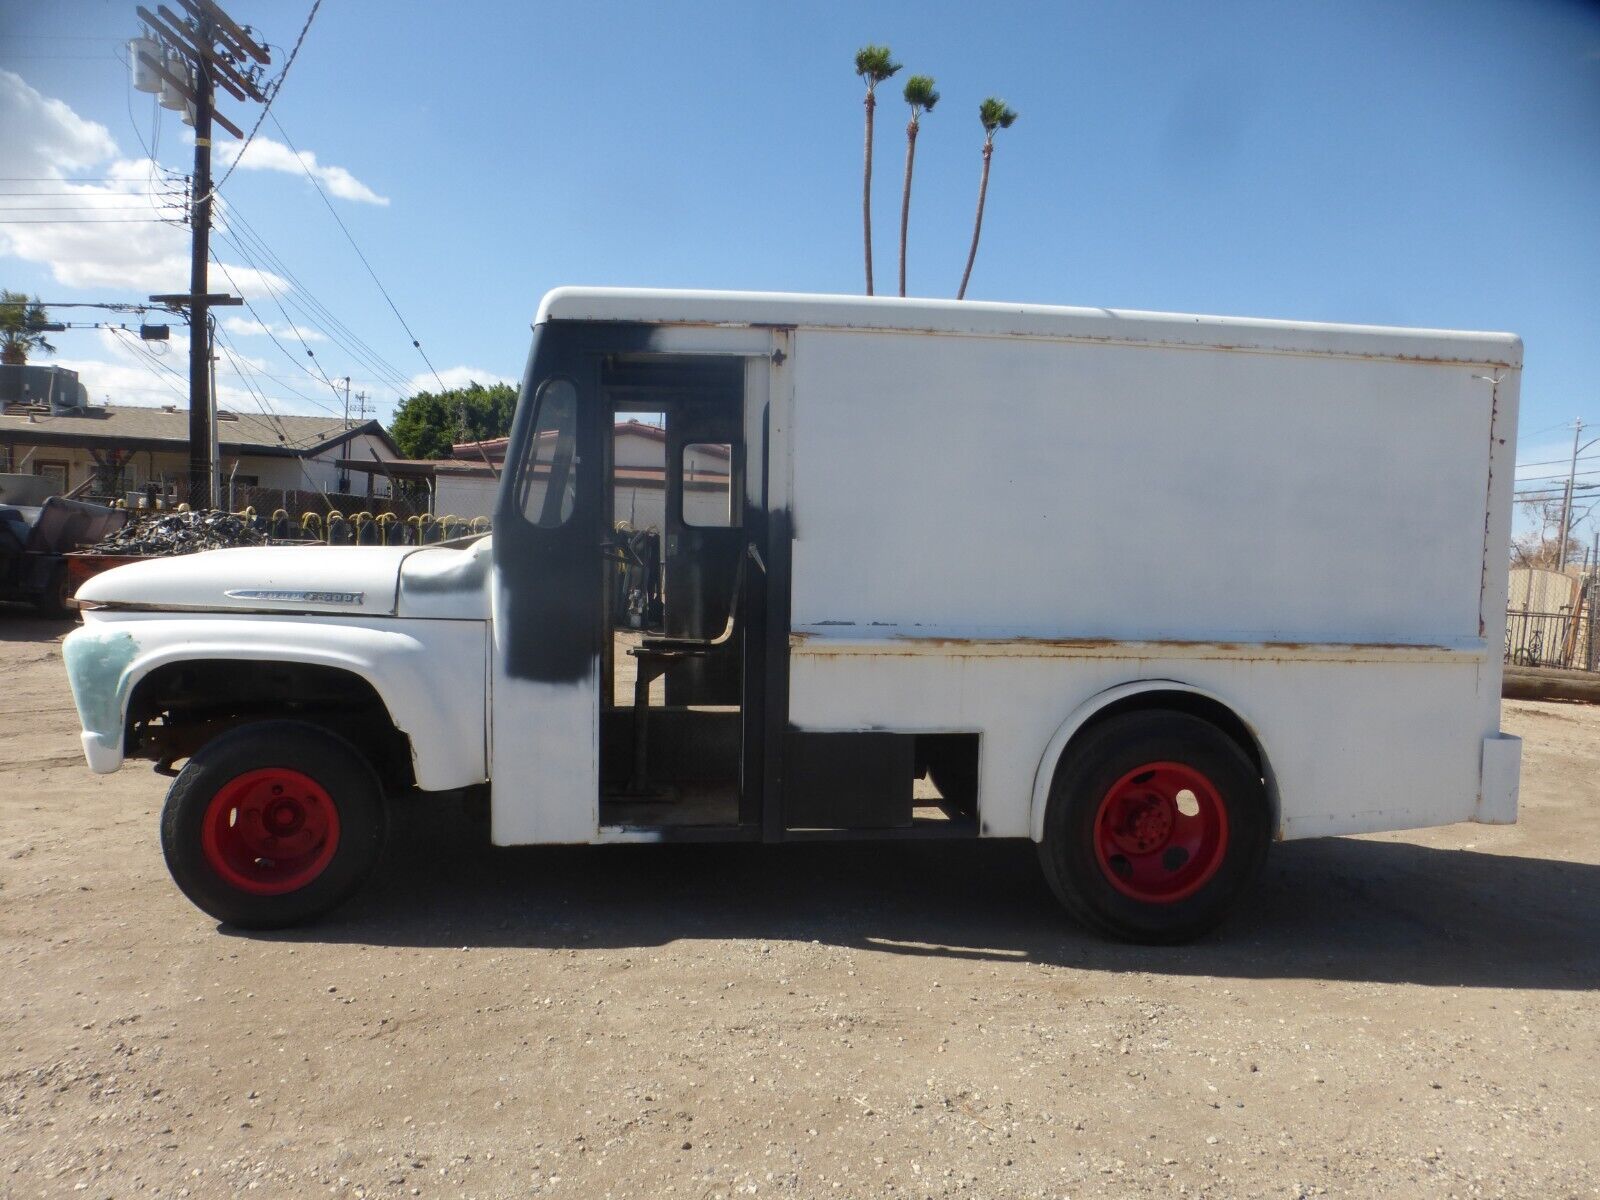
column 296, row 597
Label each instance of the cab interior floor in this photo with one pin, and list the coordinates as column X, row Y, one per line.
column 678, row 804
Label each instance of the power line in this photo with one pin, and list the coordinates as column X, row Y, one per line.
column 154, row 366
column 1558, row 462
column 255, row 392
column 272, row 95
column 81, row 209
column 87, row 195
column 278, row 125
column 1558, row 475
column 366, row 356
column 274, row 337
column 293, row 328
column 371, row 357
column 103, row 221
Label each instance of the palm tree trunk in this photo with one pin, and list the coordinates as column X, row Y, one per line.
column 977, row 224
column 905, row 199
column 866, row 192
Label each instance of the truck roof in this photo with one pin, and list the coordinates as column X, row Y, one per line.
column 657, row 306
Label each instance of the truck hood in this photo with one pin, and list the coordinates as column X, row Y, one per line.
column 352, row 580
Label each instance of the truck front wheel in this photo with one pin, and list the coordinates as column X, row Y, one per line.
column 1156, row 823
column 272, row 824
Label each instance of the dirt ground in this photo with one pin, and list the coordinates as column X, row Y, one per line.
column 1399, row 1015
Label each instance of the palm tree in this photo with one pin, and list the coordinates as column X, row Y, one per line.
column 995, row 115
column 921, row 97
column 874, row 64
column 22, row 325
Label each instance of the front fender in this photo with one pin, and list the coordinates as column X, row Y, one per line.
column 431, row 675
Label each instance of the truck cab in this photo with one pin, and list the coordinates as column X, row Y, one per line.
column 771, row 568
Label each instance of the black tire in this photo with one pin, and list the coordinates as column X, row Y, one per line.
column 346, row 781
column 1092, row 766
column 52, row 604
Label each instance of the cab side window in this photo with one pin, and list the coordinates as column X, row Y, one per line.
column 550, row 476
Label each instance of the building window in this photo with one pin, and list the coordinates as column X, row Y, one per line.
column 53, row 469
column 708, row 485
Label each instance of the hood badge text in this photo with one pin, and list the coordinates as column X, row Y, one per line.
column 296, row 597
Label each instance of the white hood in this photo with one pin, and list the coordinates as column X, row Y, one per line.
column 355, row 580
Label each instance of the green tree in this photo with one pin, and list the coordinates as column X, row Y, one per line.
column 874, row 64
column 22, row 326
column 920, row 95
column 428, row 424
column 995, row 115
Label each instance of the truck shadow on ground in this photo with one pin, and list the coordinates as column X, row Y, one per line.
column 19, row 623
column 1336, row 909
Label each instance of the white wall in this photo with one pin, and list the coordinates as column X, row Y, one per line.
column 464, row 495
column 1104, row 490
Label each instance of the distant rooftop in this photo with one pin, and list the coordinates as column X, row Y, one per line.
column 135, row 427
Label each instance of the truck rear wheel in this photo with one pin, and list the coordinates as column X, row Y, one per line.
column 52, row 603
column 1157, row 822
column 272, row 824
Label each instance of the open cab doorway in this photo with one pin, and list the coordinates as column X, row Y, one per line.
column 681, row 544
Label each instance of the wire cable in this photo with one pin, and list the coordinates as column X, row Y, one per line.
column 278, row 125
column 365, row 356
column 277, row 85
column 287, row 353
column 246, row 232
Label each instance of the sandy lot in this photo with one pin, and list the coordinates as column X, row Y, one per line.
column 1399, row 1015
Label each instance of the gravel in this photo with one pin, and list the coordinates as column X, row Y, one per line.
column 1406, row 1014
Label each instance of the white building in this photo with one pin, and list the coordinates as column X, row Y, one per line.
column 465, row 485
column 118, row 449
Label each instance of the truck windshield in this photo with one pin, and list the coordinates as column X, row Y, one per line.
column 549, row 483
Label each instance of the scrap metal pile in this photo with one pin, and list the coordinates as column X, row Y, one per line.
column 180, row 533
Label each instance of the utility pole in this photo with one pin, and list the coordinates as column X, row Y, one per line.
column 214, row 471
column 1566, row 504
column 204, row 50
column 201, row 422
column 344, row 453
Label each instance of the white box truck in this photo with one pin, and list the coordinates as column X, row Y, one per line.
column 1150, row 590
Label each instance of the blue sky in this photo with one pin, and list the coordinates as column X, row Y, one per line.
column 1426, row 164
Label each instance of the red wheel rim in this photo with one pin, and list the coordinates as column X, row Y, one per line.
column 270, row 831
column 1161, row 832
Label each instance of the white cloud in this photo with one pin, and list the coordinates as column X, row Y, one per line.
column 40, row 136
column 264, row 154
column 123, row 231
column 455, row 377
column 250, row 327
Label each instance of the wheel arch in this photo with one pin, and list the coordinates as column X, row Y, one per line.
column 330, row 695
column 1145, row 695
column 430, row 676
